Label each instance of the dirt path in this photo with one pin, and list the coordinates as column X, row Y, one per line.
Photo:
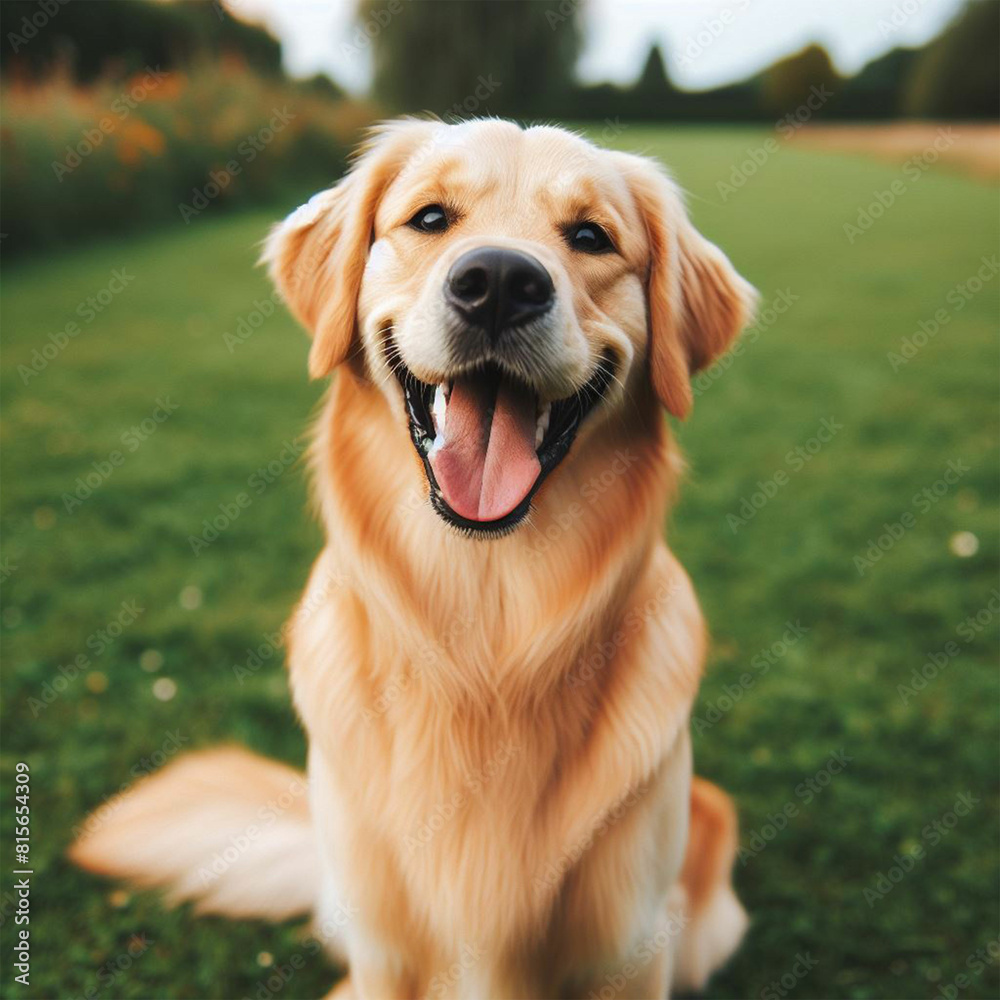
column 970, row 147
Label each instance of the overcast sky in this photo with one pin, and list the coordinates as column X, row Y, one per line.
column 706, row 42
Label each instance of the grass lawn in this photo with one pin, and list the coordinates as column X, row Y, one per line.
column 869, row 808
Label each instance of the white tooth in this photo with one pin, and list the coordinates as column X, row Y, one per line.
column 543, row 424
column 439, row 414
column 439, row 410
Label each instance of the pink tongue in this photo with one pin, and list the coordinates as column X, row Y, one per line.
column 487, row 465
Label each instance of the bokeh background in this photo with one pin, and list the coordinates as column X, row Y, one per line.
column 840, row 517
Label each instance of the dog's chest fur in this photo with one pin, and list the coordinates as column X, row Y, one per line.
column 484, row 812
column 489, row 726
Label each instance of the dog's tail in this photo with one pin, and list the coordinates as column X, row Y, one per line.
column 231, row 832
column 225, row 829
column 717, row 920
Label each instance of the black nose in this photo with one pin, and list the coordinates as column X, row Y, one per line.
column 496, row 289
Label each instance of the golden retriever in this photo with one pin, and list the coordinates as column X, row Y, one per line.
column 496, row 654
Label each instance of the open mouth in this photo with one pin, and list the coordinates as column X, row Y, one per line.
column 488, row 441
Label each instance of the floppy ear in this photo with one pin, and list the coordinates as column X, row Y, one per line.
column 317, row 256
column 697, row 301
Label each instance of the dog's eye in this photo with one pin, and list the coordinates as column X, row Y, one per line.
column 430, row 219
column 589, row 237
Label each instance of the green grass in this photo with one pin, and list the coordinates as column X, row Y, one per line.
column 834, row 689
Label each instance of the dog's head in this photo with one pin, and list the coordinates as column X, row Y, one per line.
column 507, row 289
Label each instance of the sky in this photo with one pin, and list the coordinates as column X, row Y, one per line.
column 705, row 42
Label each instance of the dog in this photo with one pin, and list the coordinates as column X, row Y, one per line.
column 496, row 654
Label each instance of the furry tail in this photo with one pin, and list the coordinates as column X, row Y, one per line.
column 717, row 919
column 231, row 832
column 224, row 828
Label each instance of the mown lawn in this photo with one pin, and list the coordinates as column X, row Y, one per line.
column 845, row 773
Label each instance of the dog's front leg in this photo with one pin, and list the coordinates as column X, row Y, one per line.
column 644, row 977
column 501, row 980
column 361, row 914
column 346, row 990
column 376, row 976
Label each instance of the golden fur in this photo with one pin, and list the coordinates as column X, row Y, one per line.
column 499, row 762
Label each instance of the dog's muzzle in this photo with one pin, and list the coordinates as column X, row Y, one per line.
column 489, row 433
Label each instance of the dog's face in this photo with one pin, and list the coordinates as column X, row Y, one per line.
column 508, row 290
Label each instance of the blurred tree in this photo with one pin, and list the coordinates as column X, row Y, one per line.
column 878, row 90
column 653, row 93
column 324, row 86
column 653, row 79
column 790, row 82
column 458, row 58
column 120, row 38
column 958, row 74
